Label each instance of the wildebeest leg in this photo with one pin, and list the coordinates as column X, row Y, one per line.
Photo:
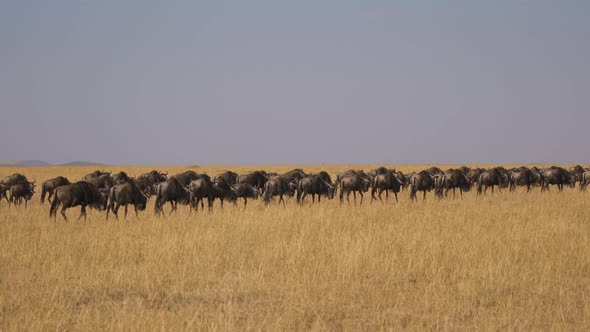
column 281, row 199
column 461, row 192
column 360, row 193
column 528, row 187
column 202, row 203
column 395, row 193
column 245, row 201
column 319, row 198
column 125, row 212
column 386, row 195
column 348, row 197
column 115, row 210
column 303, row 195
column 312, row 198
column 63, row 212
column 136, row 212
column 424, row 195
column 83, row 212
column 209, row 204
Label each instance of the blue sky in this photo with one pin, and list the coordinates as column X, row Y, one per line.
column 295, row 82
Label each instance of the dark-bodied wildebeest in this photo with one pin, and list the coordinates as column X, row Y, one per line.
column 557, row 176
column 353, row 184
column 121, row 177
column 577, row 172
column 521, row 177
column 20, row 191
column 3, row 189
column 402, row 178
column 245, row 190
column 145, row 185
column 489, row 178
column 473, row 175
column 349, row 172
column 170, row 191
column 385, row 182
column 278, row 186
column 94, row 174
column 17, row 178
column 154, row 177
column 294, row 175
column 314, row 185
column 185, row 178
column 464, row 170
column 585, row 180
column 49, row 186
column 325, row 176
column 200, row 189
column 434, row 171
column 452, row 179
column 103, row 181
column 229, row 177
column 422, row 181
column 223, row 191
column 80, row 193
column 256, row 179
column 123, row 194
column 378, row 170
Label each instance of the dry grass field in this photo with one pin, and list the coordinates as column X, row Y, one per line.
column 504, row 261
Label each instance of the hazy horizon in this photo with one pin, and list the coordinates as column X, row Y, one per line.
column 312, row 82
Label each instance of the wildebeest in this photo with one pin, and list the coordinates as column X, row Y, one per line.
column 153, row 177
column 80, row 193
column 121, row 177
column 489, row 178
column 353, row 184
column 20, row 191
column 434, row 171
column 378, row 170
column 314, row 185
column 17, row 178
column 473, row 175
column 585, row 180
column 452, row 179
column 385, row 182
column 256, row 179
column 200, row 189
column 123, row 194
column 422, row 181
column 278, row 186
column 104, row 181
column 577, row 172
column 521, row 177
column 3, row 189
column 325, row 176
column 223, row 191
column 186, row 177
column 557, row 176
column 49, row 186
column 170, row 191
column 228, row 177
column 94, row 174
column 294, row 175
column 464, row 170
column 245, row 190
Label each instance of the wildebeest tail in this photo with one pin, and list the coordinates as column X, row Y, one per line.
column 54, row 204
column 43, row 192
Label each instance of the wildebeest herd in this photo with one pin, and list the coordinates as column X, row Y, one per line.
column 107, row 192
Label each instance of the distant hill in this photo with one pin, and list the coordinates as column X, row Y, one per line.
column 82, row 163
column 27, row 163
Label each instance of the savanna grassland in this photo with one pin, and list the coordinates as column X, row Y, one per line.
column 504, row 261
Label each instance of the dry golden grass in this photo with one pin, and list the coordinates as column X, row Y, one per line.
column 507, row 261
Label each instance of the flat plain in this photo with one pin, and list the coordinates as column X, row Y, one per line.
column 504, row 261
